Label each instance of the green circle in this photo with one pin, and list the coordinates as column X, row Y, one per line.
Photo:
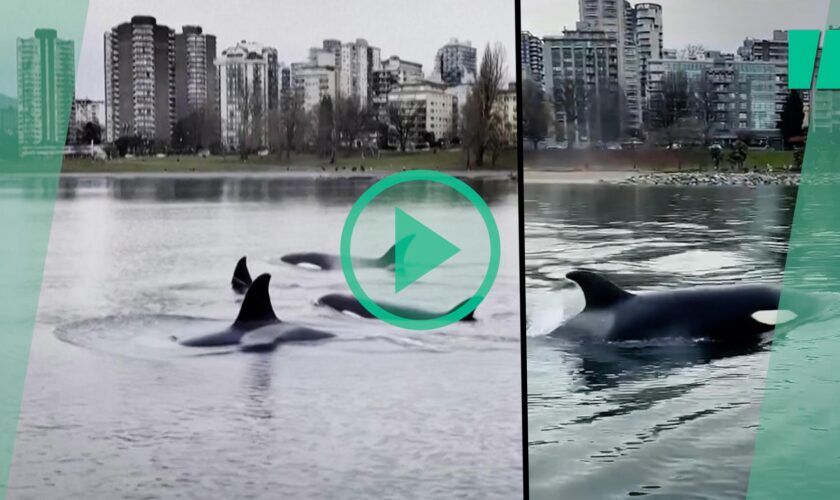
column 461, row 188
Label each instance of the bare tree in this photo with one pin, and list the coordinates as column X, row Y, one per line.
column 482, row 102
column 401, row 116
column 703, row 105
column 534, row 112
column 693, row 51
column 567, row 102
column 603, row 113
column 251, row 115
column 671, row 104
column 292, row 118
column 497, row 137
column 351, row 120
column 326, row 136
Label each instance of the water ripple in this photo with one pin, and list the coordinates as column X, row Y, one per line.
column 660, row 421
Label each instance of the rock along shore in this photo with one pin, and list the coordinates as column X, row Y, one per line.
column 710, row 179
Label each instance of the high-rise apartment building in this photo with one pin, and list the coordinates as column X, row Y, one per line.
column 583, row 81
column 725, row 95
column 456, row 62
column 248, row 94
column 617, row 17
column 196, row 78
column 285, row 73
column 531, row 56
column 775, row 51
column 317, row 78
column 430, row 107
column 334, row 46
column 45, row 86
column 393, row 73
column 356, row 64
column 603, row 15
column 140, row 80
column 632, row 82
column 649, row 38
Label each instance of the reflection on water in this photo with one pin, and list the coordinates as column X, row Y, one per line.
column 662, row 421
column 114, row 409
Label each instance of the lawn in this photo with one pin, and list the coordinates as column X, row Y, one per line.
column 390, row 161
column 661, row 160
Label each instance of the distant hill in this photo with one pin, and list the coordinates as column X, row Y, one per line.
column 6, row 101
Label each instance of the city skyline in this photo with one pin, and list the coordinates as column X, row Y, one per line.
column 618, row 75
column 387, row 31
column 726, row 33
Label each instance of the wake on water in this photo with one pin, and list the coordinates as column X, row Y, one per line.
column 154, row 336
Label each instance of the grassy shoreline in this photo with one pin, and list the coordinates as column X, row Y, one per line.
column 649, row 160
column 387, row 162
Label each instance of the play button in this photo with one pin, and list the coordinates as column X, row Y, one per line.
column 421, row 243
column 418, row 250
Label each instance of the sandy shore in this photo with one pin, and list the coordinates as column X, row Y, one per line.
column 576, row 176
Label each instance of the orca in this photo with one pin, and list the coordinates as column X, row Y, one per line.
column 735, row 314
column 256, row 328
column 327, row 262
column 343, row 303
column 241, row 279
column 349, row 304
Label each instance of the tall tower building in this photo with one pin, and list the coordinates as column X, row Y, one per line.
column 196, row 78
column 455, row 62
column 45, row 86
column 632, row 79
column 613, row 16
column 333, row 46
column 249, row 93
column 355, row 66
column 582, row 77
column 531, row 56
column 603, row 15
column 648, row 38
column 317, row 78
column 140, row 80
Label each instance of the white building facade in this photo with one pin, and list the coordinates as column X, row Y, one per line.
column 393, row 72
column 45, row 83
column 355, row 66
column 248, row 94
column 432, row 109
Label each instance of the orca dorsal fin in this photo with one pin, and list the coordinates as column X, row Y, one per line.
column 256, row 306
column 598, row 291
column 389, row 257
column 468, row 317
column 241, row 277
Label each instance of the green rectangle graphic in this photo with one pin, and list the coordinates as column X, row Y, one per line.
column 797, row 449
column 39, row 47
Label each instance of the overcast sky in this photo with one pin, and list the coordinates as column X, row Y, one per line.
column 716, row 24
column 410, row 29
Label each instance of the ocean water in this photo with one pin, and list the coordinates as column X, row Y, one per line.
column 659, row 421
column 114, row 409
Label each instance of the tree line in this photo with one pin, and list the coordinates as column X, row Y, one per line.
column 681, row 111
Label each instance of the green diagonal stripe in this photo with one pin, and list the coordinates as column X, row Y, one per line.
column 797, row 449
column 802, row 49
column 40, row 42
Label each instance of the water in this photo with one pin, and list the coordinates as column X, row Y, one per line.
column 114, row 409
column 660, row 421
